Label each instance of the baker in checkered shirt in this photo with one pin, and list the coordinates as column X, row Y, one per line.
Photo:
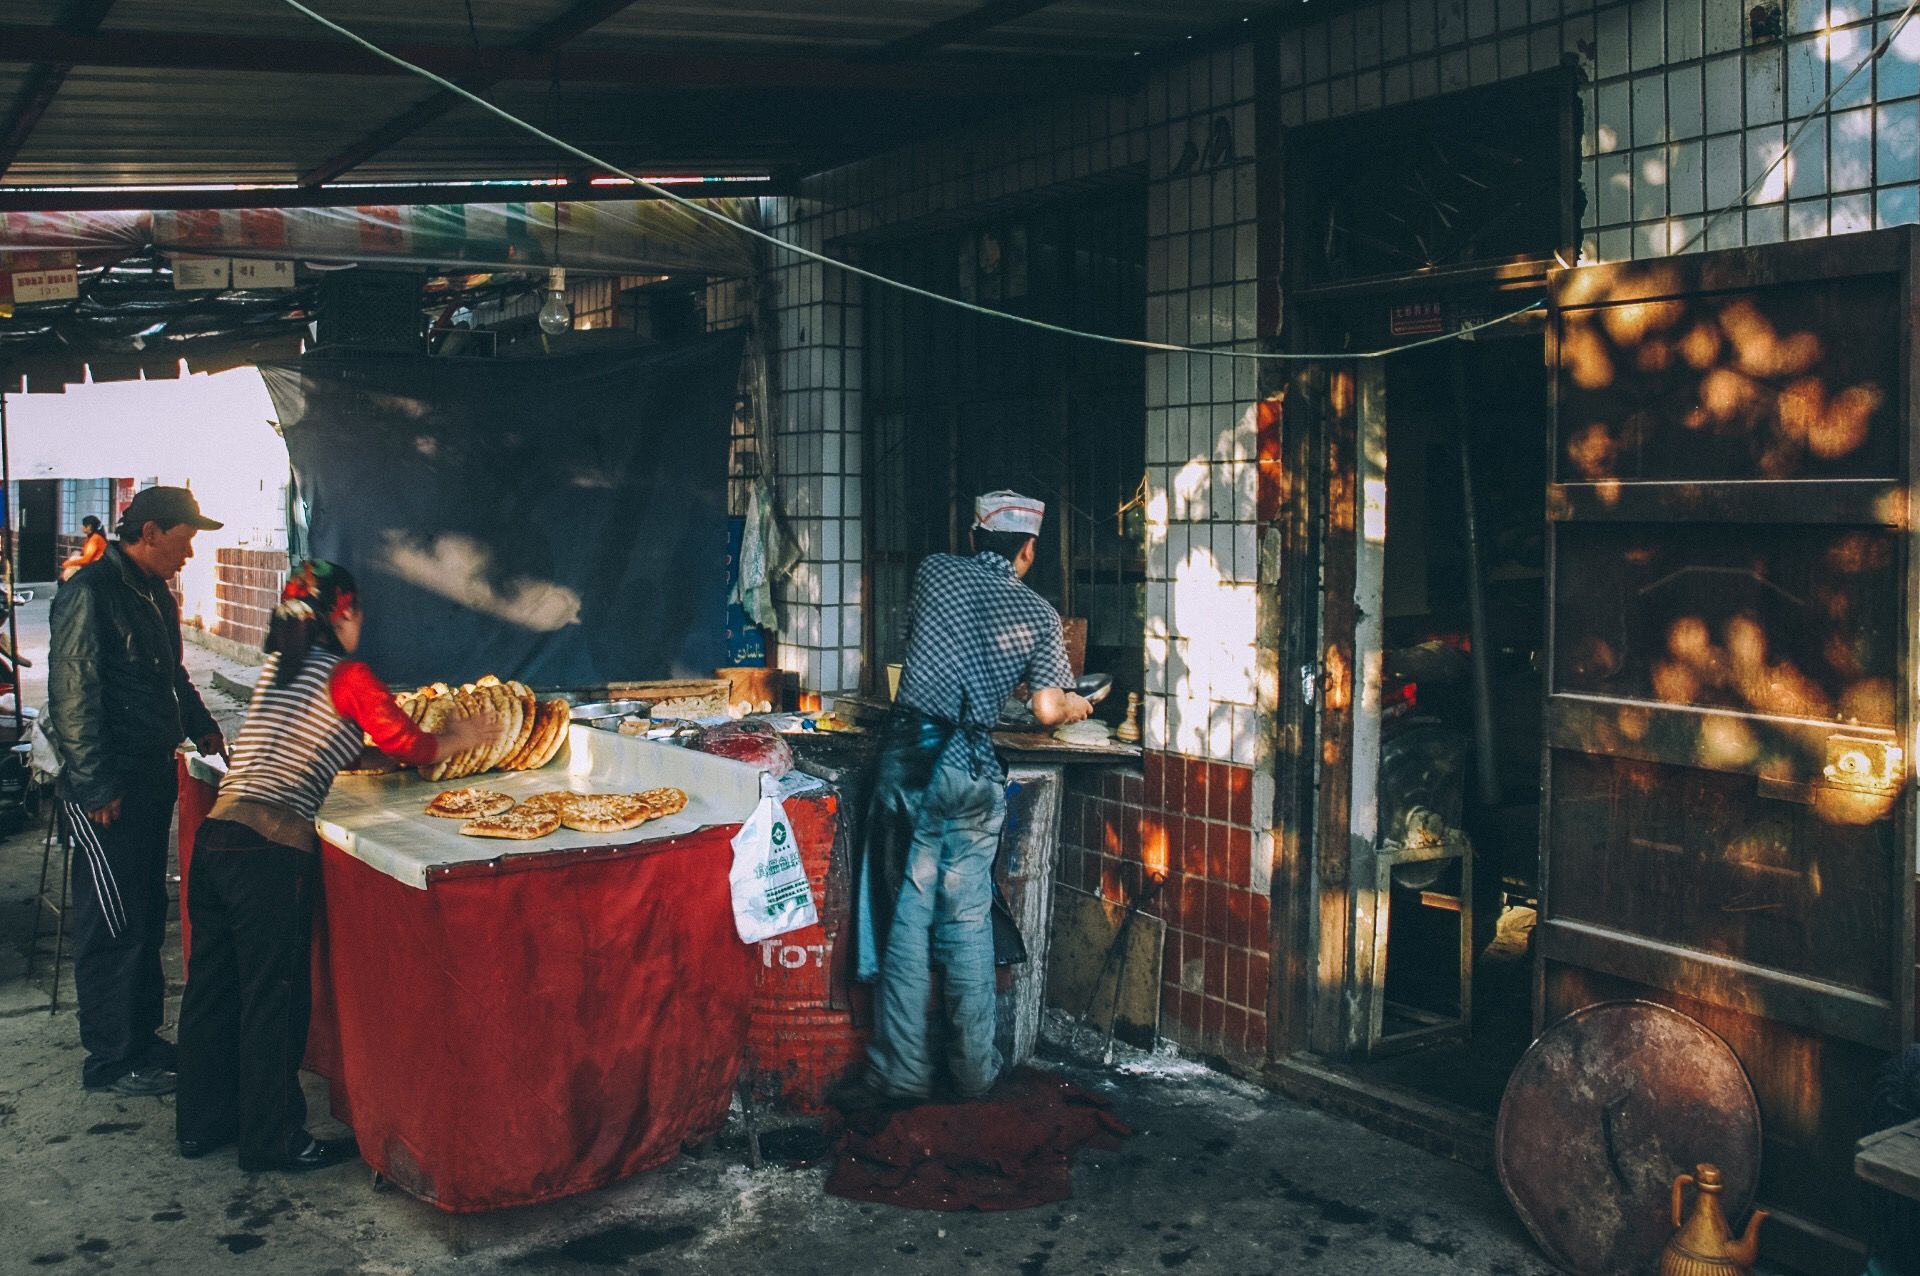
column 925, row 881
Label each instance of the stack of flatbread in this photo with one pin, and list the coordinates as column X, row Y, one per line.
column 544, row 813
column 530, row 729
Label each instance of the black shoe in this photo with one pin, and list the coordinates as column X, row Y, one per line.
column 141, row 1083
column 863, row 1093
column 304, row 1152
column 194, row 1149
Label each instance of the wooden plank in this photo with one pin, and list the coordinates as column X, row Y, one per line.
column 1891, row 1159
column 1338, row 686
column 1873, row 502
column 1045, row 747
column 1370, row 911
column 1786, row 751
column 1029, row 849
column 1827, row 1009
column 1112, row 989
column 1289, row 555
column 1809, row 261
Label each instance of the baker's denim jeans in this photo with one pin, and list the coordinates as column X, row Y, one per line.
column 943, row 915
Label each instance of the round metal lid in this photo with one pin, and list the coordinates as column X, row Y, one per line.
column 1607, row 1106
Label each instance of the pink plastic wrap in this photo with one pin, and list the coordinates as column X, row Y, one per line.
column 751, row 742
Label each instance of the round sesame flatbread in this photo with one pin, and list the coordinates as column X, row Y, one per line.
column 548, row 800
column 529, row 718
column 468, row 804
column 516, row 825
column 663, row 802
column 552, row 731
column 604, row 812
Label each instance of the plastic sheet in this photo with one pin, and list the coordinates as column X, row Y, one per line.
column 611, row 235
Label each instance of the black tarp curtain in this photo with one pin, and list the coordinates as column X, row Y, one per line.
column 558, row 520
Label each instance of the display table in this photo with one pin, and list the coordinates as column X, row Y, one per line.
column 521, row 1024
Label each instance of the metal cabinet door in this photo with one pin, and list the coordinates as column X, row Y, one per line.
column 1727, row 823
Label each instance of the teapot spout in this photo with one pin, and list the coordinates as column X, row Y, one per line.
column 1745, row 1250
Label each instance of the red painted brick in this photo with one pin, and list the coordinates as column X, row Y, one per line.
column 1239, row 918
column 1216, row 967
column 1239, row 855
column 1258, row 967
column 1237, row 976
column 1257, row 1033
column 1194, row 800
column 1217, row 852
column 1240, row 795
column 1213, row 1020
column 1193, row 847
column 1233, row 1029
column 1217, row 910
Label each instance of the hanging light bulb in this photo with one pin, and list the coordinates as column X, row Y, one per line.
column 555, row 316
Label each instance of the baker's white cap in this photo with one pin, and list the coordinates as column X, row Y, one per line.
column 1008, row 512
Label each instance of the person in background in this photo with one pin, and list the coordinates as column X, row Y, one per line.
column 925, row 881
column 92, row 551
column 119, row 702
column 255, row 869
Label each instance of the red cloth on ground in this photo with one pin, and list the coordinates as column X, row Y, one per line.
column 362, row 698
column 1011, row 1151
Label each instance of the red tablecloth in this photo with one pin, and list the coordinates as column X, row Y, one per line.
column 531, row 1028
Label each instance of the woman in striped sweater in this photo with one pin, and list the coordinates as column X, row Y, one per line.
column 243, row 1025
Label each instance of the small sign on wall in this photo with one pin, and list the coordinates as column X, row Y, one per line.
column 1417, row 319
column 248, row 273
column 196, row 274
column 46, row 285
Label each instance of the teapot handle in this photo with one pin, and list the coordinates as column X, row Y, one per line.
column 1679, row 1198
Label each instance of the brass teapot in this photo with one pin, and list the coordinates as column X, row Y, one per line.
column 1705, row 1245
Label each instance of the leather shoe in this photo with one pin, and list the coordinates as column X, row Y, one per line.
column 194, row 1149
column 308, row 1153
column 140, row 1083
column 863, row 1093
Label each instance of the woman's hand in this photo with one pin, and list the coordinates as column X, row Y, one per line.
column 468, row 732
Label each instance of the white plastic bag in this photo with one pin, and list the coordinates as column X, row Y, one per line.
column 770, row 891
column 46, row 758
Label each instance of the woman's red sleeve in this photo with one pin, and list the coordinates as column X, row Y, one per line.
column 360, row 697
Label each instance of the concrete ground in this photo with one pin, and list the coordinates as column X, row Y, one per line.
column 1221, row 1177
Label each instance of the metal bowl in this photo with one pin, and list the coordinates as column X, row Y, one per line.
column 607, row 714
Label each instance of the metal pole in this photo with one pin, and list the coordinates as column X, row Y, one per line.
column 13, row 542
column 1485, row 764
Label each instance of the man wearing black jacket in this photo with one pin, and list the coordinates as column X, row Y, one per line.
column 119, row 702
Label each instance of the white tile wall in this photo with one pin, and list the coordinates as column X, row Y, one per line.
column 1681, row 113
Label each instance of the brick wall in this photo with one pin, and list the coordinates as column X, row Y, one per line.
column 246, row 586
column 1195, row 817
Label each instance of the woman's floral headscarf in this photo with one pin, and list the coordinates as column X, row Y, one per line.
column 317, row 590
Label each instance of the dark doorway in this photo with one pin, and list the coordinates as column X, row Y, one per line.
column 39, row 558
column 958, row 404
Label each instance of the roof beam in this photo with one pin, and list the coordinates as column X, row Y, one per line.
column 955, row 29
column 186, row 51
column 546, row 38
column 119, row 198
column 81, row 17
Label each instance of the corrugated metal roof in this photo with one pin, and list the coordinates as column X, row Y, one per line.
column 158, row 92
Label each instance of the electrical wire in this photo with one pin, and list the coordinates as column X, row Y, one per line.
column 1162, row 347
column 694, row 206
column 1873, row 55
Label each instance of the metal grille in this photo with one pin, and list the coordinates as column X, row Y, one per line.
column 959, row 404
